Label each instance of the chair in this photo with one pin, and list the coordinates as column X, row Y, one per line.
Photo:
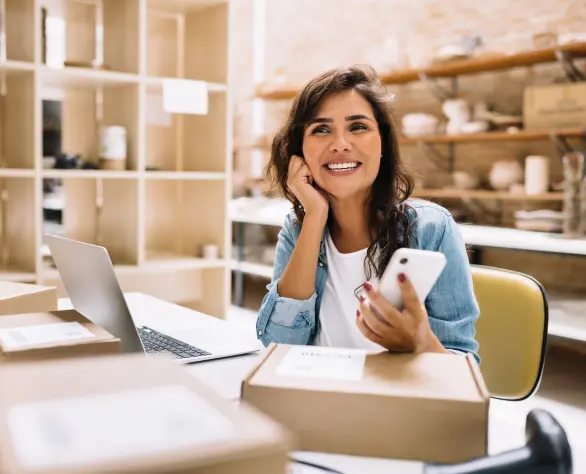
column 511, row 331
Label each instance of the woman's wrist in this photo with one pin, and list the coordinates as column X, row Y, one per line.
column 433, row 344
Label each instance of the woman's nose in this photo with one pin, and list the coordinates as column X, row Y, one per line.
column 340, row 143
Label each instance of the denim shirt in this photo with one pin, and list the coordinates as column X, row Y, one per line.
column 451, row 305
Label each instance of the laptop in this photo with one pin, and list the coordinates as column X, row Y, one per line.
column 88, row 275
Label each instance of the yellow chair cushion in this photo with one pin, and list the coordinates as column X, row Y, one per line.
column 510, row 331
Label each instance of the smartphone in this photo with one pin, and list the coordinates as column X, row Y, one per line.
column 422, row 267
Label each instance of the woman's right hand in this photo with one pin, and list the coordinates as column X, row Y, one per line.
column 300, row 182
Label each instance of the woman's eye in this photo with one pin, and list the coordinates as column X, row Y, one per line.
column 320, row 129
column 358, row 126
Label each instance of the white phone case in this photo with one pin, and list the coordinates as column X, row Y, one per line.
column 422, row 267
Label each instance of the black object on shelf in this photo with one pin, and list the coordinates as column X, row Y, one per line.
column 547, row 452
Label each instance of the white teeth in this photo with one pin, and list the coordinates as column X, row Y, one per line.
column 342, row 166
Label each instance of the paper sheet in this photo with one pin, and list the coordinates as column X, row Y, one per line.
column 323, row 362
column 15, row 338
column 182, row 96
column 82, row 430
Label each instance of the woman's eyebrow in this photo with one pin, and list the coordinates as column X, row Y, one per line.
column 321, row 120
column 358, row 117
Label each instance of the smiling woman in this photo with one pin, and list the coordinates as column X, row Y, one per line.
column 337, row 160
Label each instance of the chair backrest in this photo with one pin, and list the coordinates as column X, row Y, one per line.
column 511, row 331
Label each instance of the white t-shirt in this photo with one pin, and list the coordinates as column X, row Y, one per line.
column 339, row 303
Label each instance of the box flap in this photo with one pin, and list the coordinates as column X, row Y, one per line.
column 253, row 371
column 431, row 376
column 17, row 298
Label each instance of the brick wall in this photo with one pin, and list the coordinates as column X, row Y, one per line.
column 305, row 37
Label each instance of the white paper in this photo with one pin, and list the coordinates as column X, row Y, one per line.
column 83, row 430
column 323, row 362
column 14, row 338
column 155, row 111
column 182, row 96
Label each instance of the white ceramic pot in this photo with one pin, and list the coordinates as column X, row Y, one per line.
column 505, row 174
column 465, row 180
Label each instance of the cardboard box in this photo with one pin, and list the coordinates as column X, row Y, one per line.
column 426, row 407
column 128, row 414
column 554, row 106
column 18, row 298
column 54, row 335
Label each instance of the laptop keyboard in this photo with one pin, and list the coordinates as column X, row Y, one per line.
column 156, row 342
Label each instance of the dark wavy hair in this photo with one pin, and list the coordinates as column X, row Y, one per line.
column 388, row 212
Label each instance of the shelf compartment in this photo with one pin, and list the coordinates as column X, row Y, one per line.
column 17, row 228
column 17, row 121
column 99, row 211
column 485, row 194
column 20, row 30
column 181, row 142
column 182, row 216
column 81, row 119
column 100, row 34
column 180, row 41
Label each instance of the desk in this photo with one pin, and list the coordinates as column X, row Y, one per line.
column 507, row 419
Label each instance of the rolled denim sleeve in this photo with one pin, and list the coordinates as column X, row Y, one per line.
column 284, row 320
column 451, row 304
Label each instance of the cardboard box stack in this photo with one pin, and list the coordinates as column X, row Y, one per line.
column 128, row 414
column 426, row 407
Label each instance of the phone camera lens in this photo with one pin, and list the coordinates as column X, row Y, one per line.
column 403, row 261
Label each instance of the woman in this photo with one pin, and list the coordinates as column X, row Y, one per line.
column 337, row 161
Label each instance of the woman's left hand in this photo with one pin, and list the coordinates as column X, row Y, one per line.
column 397, row 331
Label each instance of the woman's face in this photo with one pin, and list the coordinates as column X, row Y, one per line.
column 342, row 146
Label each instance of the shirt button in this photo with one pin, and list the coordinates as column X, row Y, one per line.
column 260, row 333
column 321, row 264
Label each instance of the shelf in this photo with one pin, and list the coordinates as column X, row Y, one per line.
column 17, row 122
column 186, row 175
column 103, row 213
column 85, row 77
column 17, row 276
column 166, row 261
column 567, row 318
column 89, row 174
column 250, row 268
column 180, row 217
column 449, row 69
column 482, row 194
column 184, row 5
column 19, row 66
column 524, row 135
column 17, row 173
column 20, row 30
column 155, row 84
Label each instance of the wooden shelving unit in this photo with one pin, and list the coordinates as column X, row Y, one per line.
column 450, row 69
column 172, row 198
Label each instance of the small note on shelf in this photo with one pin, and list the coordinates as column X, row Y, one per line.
column 183, row 96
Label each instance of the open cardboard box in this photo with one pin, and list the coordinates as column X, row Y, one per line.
column 425, row 407
column 18, row 298
column 129, row 414
column 53, row 335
